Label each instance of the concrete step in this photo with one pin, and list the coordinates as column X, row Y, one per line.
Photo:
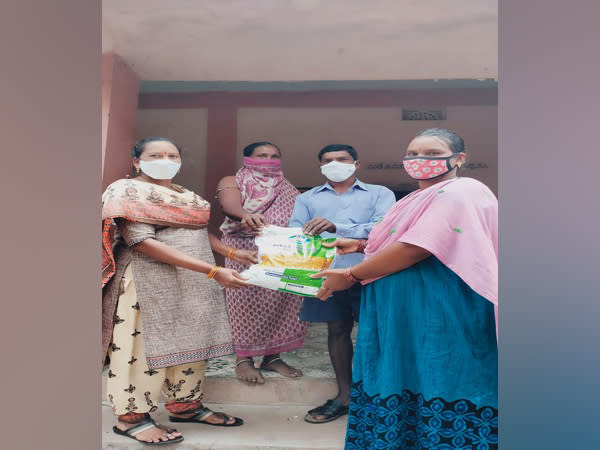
column 276, row 391
column 265, row 428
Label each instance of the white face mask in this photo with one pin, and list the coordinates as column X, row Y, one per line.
column 337, row 171
column 161, row 169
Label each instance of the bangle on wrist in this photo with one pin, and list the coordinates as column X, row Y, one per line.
column 231, row 252
column 349, row 276
column 212, row 272
column 362, row 244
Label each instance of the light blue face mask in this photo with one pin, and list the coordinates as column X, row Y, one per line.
column 162, row 169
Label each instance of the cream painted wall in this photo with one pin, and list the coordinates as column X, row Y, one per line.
column 108, row 44
column 187, row 127
column 299, row 40
column 378, row 134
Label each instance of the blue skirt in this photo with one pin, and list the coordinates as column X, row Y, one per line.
column 425, row 370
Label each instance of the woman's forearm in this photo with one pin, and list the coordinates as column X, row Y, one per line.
column 169, row 255
column 230, row 199
column 394, row 258
column 217, row 245
column 233, row 210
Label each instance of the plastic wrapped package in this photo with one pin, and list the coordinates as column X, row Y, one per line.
column 287, row 258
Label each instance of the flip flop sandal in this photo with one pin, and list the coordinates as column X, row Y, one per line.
column 266, row 367
column 203, row 414
column 143, row 426
column 331, row 410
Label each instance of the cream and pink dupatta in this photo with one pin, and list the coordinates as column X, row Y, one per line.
column 455, row 220
column 139, row 201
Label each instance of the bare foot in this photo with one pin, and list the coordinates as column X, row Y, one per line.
column 155, row 434
column 245, row 371
column 276, row 364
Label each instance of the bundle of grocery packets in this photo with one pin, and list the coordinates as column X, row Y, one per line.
column 287, row 258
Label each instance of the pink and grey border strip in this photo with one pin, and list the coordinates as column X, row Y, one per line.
column 273, row 348
column 175, row 359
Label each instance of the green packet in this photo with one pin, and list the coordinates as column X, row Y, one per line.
column 287, row 258
column 292, row 281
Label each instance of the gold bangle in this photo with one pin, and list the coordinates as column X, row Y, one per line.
column 213, row 271
column 231, row 252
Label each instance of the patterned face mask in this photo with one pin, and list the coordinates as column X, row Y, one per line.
column 427, row 167
column 262, row 162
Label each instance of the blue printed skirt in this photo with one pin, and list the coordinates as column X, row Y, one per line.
column 425, row 370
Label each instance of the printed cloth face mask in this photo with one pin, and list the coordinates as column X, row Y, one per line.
column 337, row 171
column 162, row 169
column 273, row 163
column 427, row 167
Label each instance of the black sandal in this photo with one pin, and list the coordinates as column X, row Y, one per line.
column 331, row 410
column 204, row 413
column 146, row 425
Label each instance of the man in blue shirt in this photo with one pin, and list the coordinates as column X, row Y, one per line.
column 342, row 207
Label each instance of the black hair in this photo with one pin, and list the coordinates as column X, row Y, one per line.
column 249, row 149
column 138, row 148
column 454, row 141
column 339, row 148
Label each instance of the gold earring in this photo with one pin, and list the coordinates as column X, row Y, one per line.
column 137, row 169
